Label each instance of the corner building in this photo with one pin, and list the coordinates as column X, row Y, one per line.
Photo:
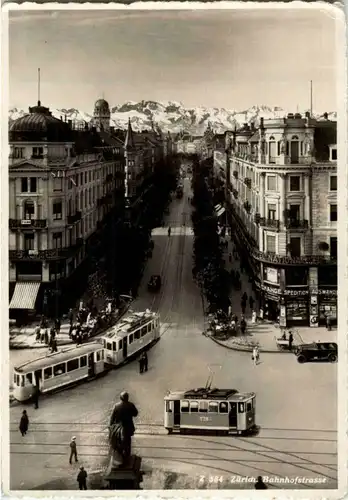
column 281, row 193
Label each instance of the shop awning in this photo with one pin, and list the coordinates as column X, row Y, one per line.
column 24, row 296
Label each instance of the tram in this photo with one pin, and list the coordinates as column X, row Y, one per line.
column 225, row 411
column 59, row 370
column 131, row 335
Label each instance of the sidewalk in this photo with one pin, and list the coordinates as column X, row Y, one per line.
column 25, row 338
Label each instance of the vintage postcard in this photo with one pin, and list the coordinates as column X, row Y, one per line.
column 174, row 239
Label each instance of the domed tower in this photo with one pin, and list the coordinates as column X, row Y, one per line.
column 102, row 115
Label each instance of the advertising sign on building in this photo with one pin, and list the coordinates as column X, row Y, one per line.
column 313, row 292
column 271, row 274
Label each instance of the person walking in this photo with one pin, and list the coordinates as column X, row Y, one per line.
column 73, row 450
column 145, row 361
column 291, row 339
column 243, row 325
column 54, row 347
column 260, row 485
column 328, row 323
column 82, row 478
column 243, row 306
column 141, row 364
column 253, row 317
column 36, row 395
column 256, row 355
column 57, row 324
column 24, row 423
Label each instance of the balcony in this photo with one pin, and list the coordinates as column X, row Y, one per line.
column 297, row 224
column 27, row 224
column 51, row 254
column 72, row 219
column 269, row 223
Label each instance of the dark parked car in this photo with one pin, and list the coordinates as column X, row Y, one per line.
column 155, row 283
column 317, row 351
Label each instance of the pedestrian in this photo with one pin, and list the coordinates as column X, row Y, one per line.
column 260, row 485
column 141, row 364
column 24, row 423
column 328, row 323
column 57, row 325
column 243, row 325
column 37, row 333
column 46, row 336
column 73, row 450
column 36, row 395
column 54, row 347
column 291, row 339
column 253, row 317
column 82, row 478
column 243, row 306
column 255, row 355
column 70, row 316
column 145, row 358
column 251, row 302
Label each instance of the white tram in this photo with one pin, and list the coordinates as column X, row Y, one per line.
column 58, row 370
column 213, row 410
column 131, row 335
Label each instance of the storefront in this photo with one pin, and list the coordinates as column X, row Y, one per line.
column 327, row 306
column 297, row 309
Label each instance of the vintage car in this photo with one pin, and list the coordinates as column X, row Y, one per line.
column 317, row 351
column 155, row 283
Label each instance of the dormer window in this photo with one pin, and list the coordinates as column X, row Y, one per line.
column 37, row 153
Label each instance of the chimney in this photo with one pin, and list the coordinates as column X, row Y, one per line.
column 61, row 118
column 70, row 123
column 65, row 118
column 307, row 114
column 326, row 116
column 262, row 123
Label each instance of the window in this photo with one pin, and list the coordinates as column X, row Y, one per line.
column 24, row 184
column 213, row 407
column 203, row 406
column 57, row 240
column 271, row 183
column 29, row 210
column 58, row 184
column 194, row 406
column 333, row 182
column 29, row 378
column 32, row 184
column 184, row 406
column 81, row 178
column 109, row 346
column 137, row 334
column 333, row 247
column 29, row 241
column 85, row 177
column 89, row 176
column 83, row 361
column 73, row 364
column 37, row 153
column 144, row 330
column 295, row 246
column 272, row 211
column 333, row 154
column 59, row 369
column 57, row 210
column 241, row 407
column 120, row 344
column 294, row 183
column 333, row 213
column 271, row 243
column 131, row 338
column 117, row 151
column 18, row 153
column 99, row 355
column 249, row 406
column 223, row 408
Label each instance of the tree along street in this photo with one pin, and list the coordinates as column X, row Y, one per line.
column 296, row 434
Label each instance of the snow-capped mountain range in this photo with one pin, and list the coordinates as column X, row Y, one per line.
column 172, row 116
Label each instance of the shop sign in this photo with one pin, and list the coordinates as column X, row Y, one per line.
column 330, row 293
column 313, row 320
column 289, row 293
column 271, row 274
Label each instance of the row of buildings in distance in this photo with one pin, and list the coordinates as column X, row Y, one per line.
column 63, row 183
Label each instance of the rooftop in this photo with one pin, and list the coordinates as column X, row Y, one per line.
column 129, row 323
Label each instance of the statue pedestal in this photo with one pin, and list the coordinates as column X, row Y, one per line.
column 124, row 477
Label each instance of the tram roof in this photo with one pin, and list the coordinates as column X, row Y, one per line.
column 128, row 323
column 203, row 393
column 58, row 357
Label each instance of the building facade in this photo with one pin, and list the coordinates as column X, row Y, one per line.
column 281, row 188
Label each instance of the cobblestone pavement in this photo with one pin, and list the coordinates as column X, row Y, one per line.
column 297, row 438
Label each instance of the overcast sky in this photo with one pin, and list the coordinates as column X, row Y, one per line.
column 232, row 59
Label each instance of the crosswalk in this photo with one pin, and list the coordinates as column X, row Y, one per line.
column 175, row 231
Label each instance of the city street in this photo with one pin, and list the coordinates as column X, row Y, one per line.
column 296, row 405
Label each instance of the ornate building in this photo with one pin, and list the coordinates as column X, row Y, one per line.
column 101, row 116
column 281, row 189
column 62, row 184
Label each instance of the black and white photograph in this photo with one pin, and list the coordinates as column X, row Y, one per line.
column 173, row 213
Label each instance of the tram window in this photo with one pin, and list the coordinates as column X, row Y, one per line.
column 168, row 409
column 59, row 369
column 120, row 345
column 203, row 406
column 99, row 355
column 130, row 338
column 83, row 361
column 194, row 406
column 149, row 327
column 213, row 407
column 48, row 373
column 73, row 364
column 223, row 408
column 114, row 346
column 143, row 331
column 241, row 408
column 22, row 380
column 15, row 378
column 29, row 377
column 185, row 406
column 249, row 406
column 137, row 334
column 109, row 346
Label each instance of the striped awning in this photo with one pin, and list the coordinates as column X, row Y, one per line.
column 24, row 296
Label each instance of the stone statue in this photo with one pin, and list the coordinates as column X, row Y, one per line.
column 121, row 429
column 283, row 145
column 307, row 145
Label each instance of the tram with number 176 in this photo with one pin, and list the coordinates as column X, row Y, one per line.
column 226, row 411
